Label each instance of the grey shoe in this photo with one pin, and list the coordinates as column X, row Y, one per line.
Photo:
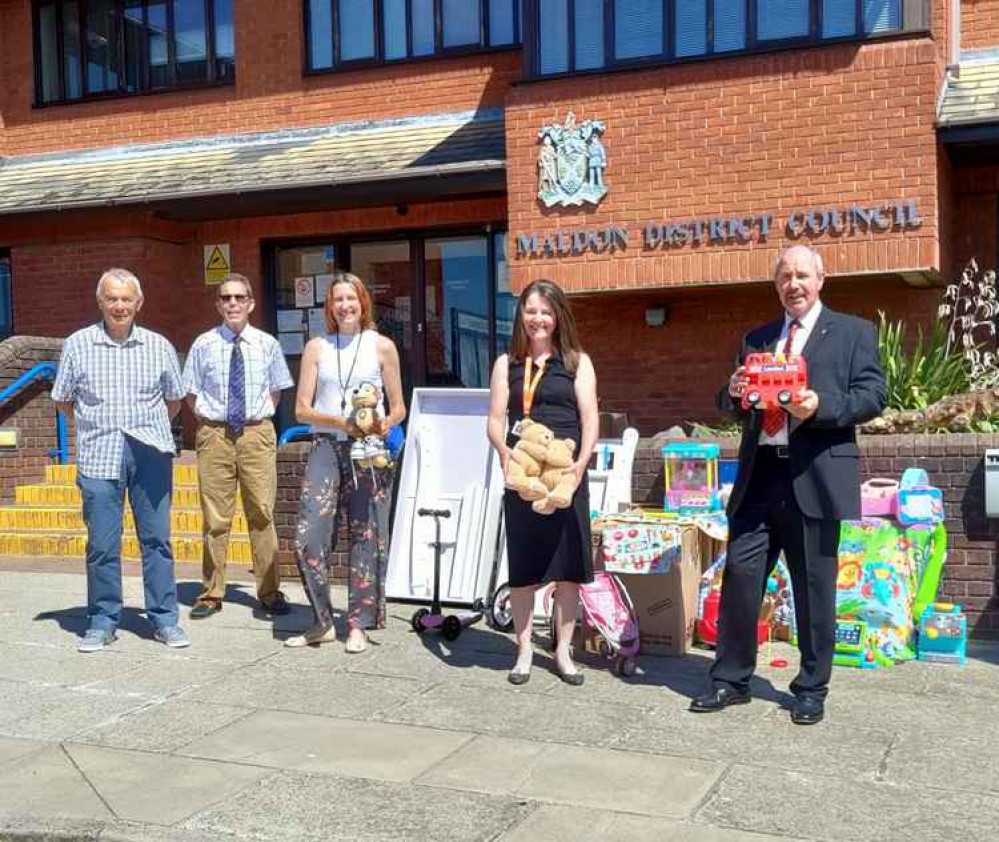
column 172, row 636
column 95, row 640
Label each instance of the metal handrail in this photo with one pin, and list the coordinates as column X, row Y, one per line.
column 299, row 431
column 395, row 439
column 42, row 371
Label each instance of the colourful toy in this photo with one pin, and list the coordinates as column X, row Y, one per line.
column 854, row 648
column 640, row 549
column 774, row 380
column 690, row 478
column 943, row 634
column 918, row 501
column 927, row 549
column 879, row 497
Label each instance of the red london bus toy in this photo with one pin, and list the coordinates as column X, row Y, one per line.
column 774, row 380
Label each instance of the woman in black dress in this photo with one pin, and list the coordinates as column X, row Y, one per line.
column 559, row 391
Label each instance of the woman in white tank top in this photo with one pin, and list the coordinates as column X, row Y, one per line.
column 333, row 366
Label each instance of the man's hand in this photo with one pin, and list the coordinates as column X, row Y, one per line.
column 805, row 408
column 737, row 382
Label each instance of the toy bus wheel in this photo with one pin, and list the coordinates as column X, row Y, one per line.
column 783, row 397
column 500, row 616
column 451, row 628
column 753, row 398
column 626, row 666
column 417, row 621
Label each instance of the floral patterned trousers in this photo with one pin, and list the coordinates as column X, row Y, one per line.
column 366, row 493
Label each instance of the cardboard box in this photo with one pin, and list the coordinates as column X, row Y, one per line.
column 666, row 605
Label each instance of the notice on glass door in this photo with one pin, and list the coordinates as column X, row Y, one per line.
column 305, row 295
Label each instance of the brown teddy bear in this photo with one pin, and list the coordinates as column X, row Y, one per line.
column 364, row 402
column 536, row 468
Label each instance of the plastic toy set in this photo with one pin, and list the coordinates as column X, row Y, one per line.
column 943, row 634
column 690, row 478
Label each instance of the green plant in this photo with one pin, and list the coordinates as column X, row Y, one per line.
column 722, row 429
column 931, row 372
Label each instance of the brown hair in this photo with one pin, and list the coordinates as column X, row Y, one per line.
column 565, row 340
column 236, row 278
column 367, row 308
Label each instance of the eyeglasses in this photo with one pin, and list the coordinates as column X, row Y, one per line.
column 240, row 297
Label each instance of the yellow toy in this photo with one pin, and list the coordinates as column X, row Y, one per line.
column 536, row 468
column 559, row 484
column 363, row 404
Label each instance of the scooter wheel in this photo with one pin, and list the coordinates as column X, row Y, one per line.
column 417, row 621
column 500, row 616
column 627, row 666
column 451, row 628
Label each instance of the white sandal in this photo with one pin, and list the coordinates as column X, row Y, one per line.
column 310, row 638
column 356, row 645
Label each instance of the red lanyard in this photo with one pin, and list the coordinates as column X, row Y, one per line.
column 531, row 385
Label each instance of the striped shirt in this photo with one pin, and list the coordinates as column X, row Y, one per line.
column 117, row 389
column 206, row 372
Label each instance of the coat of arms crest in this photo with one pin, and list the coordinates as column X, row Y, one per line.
column 571, row 163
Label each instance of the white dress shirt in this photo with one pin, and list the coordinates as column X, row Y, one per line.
column 807, row 323
column 206, row 372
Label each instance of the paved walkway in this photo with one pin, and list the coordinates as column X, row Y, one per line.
column 238, row 738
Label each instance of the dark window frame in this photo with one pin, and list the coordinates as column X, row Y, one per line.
column 915, row 15
column 379, row 60
column 7, row 295
column 213, row 62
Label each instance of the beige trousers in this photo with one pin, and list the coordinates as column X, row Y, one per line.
column 248, row 460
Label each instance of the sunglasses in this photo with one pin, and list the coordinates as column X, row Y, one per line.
column 240, row 297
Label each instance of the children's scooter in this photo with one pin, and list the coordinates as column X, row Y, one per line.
column 427, row 619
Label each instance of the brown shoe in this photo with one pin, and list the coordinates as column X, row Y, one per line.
column 205, row 607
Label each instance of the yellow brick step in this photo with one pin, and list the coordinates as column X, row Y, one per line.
column 75, row 546
column 184, row 474
column 31, row 519
column 69, row 495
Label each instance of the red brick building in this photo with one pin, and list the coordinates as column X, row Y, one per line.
column 400, row 139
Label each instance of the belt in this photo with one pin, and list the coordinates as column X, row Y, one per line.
column 776, row 451
column 208, row 422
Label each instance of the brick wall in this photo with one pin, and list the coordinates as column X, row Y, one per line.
column 31, row 411
column 979, row 24
column 954, row 464
column 270, row 91
column 775, row 133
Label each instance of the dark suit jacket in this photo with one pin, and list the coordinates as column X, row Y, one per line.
column 844, row 370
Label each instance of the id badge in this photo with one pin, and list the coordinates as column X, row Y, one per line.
column 517, row 429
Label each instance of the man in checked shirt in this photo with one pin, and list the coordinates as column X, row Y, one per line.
column 234, row 376
column 121, row 384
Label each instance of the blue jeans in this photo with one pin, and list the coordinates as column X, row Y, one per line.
column 147, row 475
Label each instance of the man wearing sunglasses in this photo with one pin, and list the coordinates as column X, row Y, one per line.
column 234, row 375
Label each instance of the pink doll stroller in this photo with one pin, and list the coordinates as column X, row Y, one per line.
column 607, row 609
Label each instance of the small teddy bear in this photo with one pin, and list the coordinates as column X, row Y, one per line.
column 363, row 413
column 524, row 466
column 560, row 485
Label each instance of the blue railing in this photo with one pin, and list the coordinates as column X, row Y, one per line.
column 395, row 439
column 42, row 371
column 300, row 431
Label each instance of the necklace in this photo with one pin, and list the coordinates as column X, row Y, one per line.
column 339, row 374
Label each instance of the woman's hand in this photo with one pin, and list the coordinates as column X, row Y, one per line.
column 578, row 470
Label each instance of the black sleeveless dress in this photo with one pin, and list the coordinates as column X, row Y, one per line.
column 555, row 547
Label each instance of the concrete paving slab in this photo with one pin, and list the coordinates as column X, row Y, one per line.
column 60, row 713
column 18, row 699
column 556, row 823
column 333, row 694
column 334, row 746
column 317, row 807
column 62, row 666
column 772, row 742
column 326, row 657
column 565, row 716
column 946, row 761
column 687, row 832
column 15, row 750
column 159, row 677
column 159, row 789
column 51, row 829
column 48, row 784
column 163, row 727
column 976, row 679
column 837, row 809
column 603, row 778
column 486, row 764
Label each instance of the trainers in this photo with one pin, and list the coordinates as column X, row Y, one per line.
column 172, row 636
column 95, row 640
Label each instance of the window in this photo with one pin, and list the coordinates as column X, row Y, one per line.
column 345, row 32
column 6, row 308
column 87, row 48
column 567, row 36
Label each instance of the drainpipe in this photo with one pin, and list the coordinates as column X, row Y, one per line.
column 954, row 64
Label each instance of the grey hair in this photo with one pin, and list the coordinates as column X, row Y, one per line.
column 122, row 276
column 820, row 270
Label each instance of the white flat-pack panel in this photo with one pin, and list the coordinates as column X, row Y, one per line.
column 449, row 464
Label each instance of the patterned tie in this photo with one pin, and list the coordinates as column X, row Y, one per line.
column 773, row 416
column 235, row 415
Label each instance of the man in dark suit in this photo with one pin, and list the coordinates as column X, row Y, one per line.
column 799, row 476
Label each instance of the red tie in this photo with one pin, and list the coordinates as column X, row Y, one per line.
column 773, row 416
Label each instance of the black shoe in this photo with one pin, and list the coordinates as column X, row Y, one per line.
column 518, row 678
column 719, row 699
column 276, row 605
column 205, row 607
column 807, row 710
column 574, row 679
